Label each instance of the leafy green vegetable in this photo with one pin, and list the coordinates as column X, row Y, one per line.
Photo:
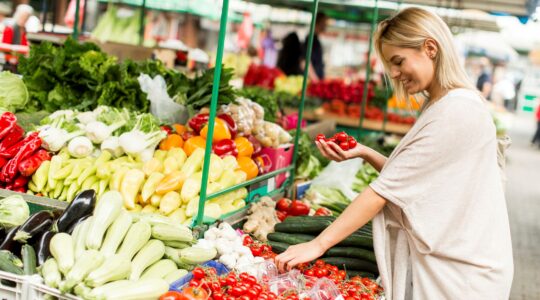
column 13, row 92
column 309, row 164
column 13, row 211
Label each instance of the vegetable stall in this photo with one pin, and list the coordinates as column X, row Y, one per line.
column 108, row 197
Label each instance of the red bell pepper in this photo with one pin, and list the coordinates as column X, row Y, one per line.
column 230, row 124
column 224, row 148
column 298, row 208
column 7, row 121
column 167, row 129
column 31, row 144
column 323, row 211
column 20, row 182
column 282, row 215
column 29, row 166
column 12, row 151
column 14, row 135
column 198, row 122
column 257, row 147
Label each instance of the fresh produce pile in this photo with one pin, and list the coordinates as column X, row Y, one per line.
column 20, row 155
column 338, row 89
column 82, row 77
column 354, row 254
column 289, row 84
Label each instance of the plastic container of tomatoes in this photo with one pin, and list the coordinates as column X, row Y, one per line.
column 179, row 285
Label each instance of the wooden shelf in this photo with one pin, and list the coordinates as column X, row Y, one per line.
column 319, row 115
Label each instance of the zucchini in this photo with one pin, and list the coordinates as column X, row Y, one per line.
column 89, row 261
column 101, row 291
column 10, row 263
column 177, row 233
column 29, row 259
column 61, row 247
column 137, row 236
column 116, row 267
column 107, row 210
column 351, row 252
column 196, row 255
column 354, row 240
column 177, row 245
column 138, row 290
column 278, row 247
column 175, row 275
column 149, row 254
column 116, row 233
column 82, row 290
column 50, row 273
column 159, row 269
column 352, row 264
column 80, row 242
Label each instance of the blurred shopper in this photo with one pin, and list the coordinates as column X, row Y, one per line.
column 504, row 90
column 16, row 33
column 290, row 55
column 484, row 82
column 316, row 70
column 536, row 137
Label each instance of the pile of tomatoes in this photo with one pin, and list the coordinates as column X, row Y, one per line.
column 258, row 249
column 356, row 288
column 342, row 139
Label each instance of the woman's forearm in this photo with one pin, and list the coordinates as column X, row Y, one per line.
column 374, row 158
column 358, row 213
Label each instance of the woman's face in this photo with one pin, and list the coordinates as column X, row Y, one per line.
column 414, row 68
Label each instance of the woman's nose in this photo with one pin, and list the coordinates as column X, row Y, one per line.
column 394, row 73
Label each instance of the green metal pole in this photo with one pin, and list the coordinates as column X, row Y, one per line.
column 368, row 66
column 141, row 28
column 213, row 108
column 314, row 8
column 76, row 24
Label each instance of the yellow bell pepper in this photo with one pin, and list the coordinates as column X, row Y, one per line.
column 170, row 164
column 131, row 184
column 221, row 131
column 171, row 182
column 151, row 166
column 150, row 185
column 169, row 203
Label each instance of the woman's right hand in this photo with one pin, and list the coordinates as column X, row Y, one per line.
column 332, row 151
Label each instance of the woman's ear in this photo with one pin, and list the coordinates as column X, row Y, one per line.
column 431, row 48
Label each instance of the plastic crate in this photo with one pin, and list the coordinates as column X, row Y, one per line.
column 37, row 290
column 12, row 287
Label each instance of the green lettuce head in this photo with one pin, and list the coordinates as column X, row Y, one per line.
column 13, row 92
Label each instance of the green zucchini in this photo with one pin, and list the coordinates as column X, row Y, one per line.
column 177, row 244
column 278, row 247
column 10, row 263
column 352, row 264
column 351, row 252
column 29, row 259
column 355, row 240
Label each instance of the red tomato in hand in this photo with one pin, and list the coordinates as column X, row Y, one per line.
column 344, row 146
column 320, row 137
column 341, row 136
column 352, row 143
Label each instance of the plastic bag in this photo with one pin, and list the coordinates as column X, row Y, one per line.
column 161, row 104
column 340, row 175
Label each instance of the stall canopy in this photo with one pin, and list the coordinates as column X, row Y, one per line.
column 510, row 7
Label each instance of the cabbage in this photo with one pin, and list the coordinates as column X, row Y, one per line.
column 13, row 211
column 13, row 92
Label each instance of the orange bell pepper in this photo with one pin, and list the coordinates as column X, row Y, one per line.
column 247, row 165
column 221, row 131
column 193, row 143
column 179, row 128
column 172, row 182
column 171, row 141
column 244, row 146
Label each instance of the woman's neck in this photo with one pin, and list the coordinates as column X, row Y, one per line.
column 435, row 92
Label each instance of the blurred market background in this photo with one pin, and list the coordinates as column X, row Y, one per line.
column 499, row 42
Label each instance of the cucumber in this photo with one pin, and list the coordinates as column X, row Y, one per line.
column 29, row 259
column 355, row 240
column 278, row 247
column 352, row 264
column 351, row 252
column 312, row 225
column 353, row 273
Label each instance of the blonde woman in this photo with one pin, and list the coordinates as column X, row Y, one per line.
column 440, row 223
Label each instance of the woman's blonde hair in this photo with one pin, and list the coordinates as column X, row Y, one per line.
column 409, row 29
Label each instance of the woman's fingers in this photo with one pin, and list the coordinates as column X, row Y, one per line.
column 337, row 151
column 328, row 152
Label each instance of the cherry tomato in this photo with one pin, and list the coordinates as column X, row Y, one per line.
column 319, row 263
column 349, row 298
column 223, row 281
column 334, row 269
column 237, row 291
column 344, row 146
column 252, row 293
column 323, row 211
column 266, row 248
column 352, row 143
column 262, row 297
column 257, row 288
column 198, row 273
column 211, row 271
column 320, row 137
column 215, row 287
column 333, row 140
column 230, row 281
column 319, row 273
column 248, row 240
column 229, row 298
column 244, row 276
column 251, row 280
column 244, row 297
column 342, row 274
column 217, row 296
column 256, row 250
column 341, row 136
column 309, row 273
column 194, row 283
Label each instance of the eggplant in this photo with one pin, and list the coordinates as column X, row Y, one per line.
column 36, row 224
column 42, row 247
column 9, row 243
column 72, row 228
column 2, row 234
column 82, row 205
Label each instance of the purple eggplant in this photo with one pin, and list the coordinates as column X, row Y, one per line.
column 42, row 247
column 35, row 225
column 81, row 206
